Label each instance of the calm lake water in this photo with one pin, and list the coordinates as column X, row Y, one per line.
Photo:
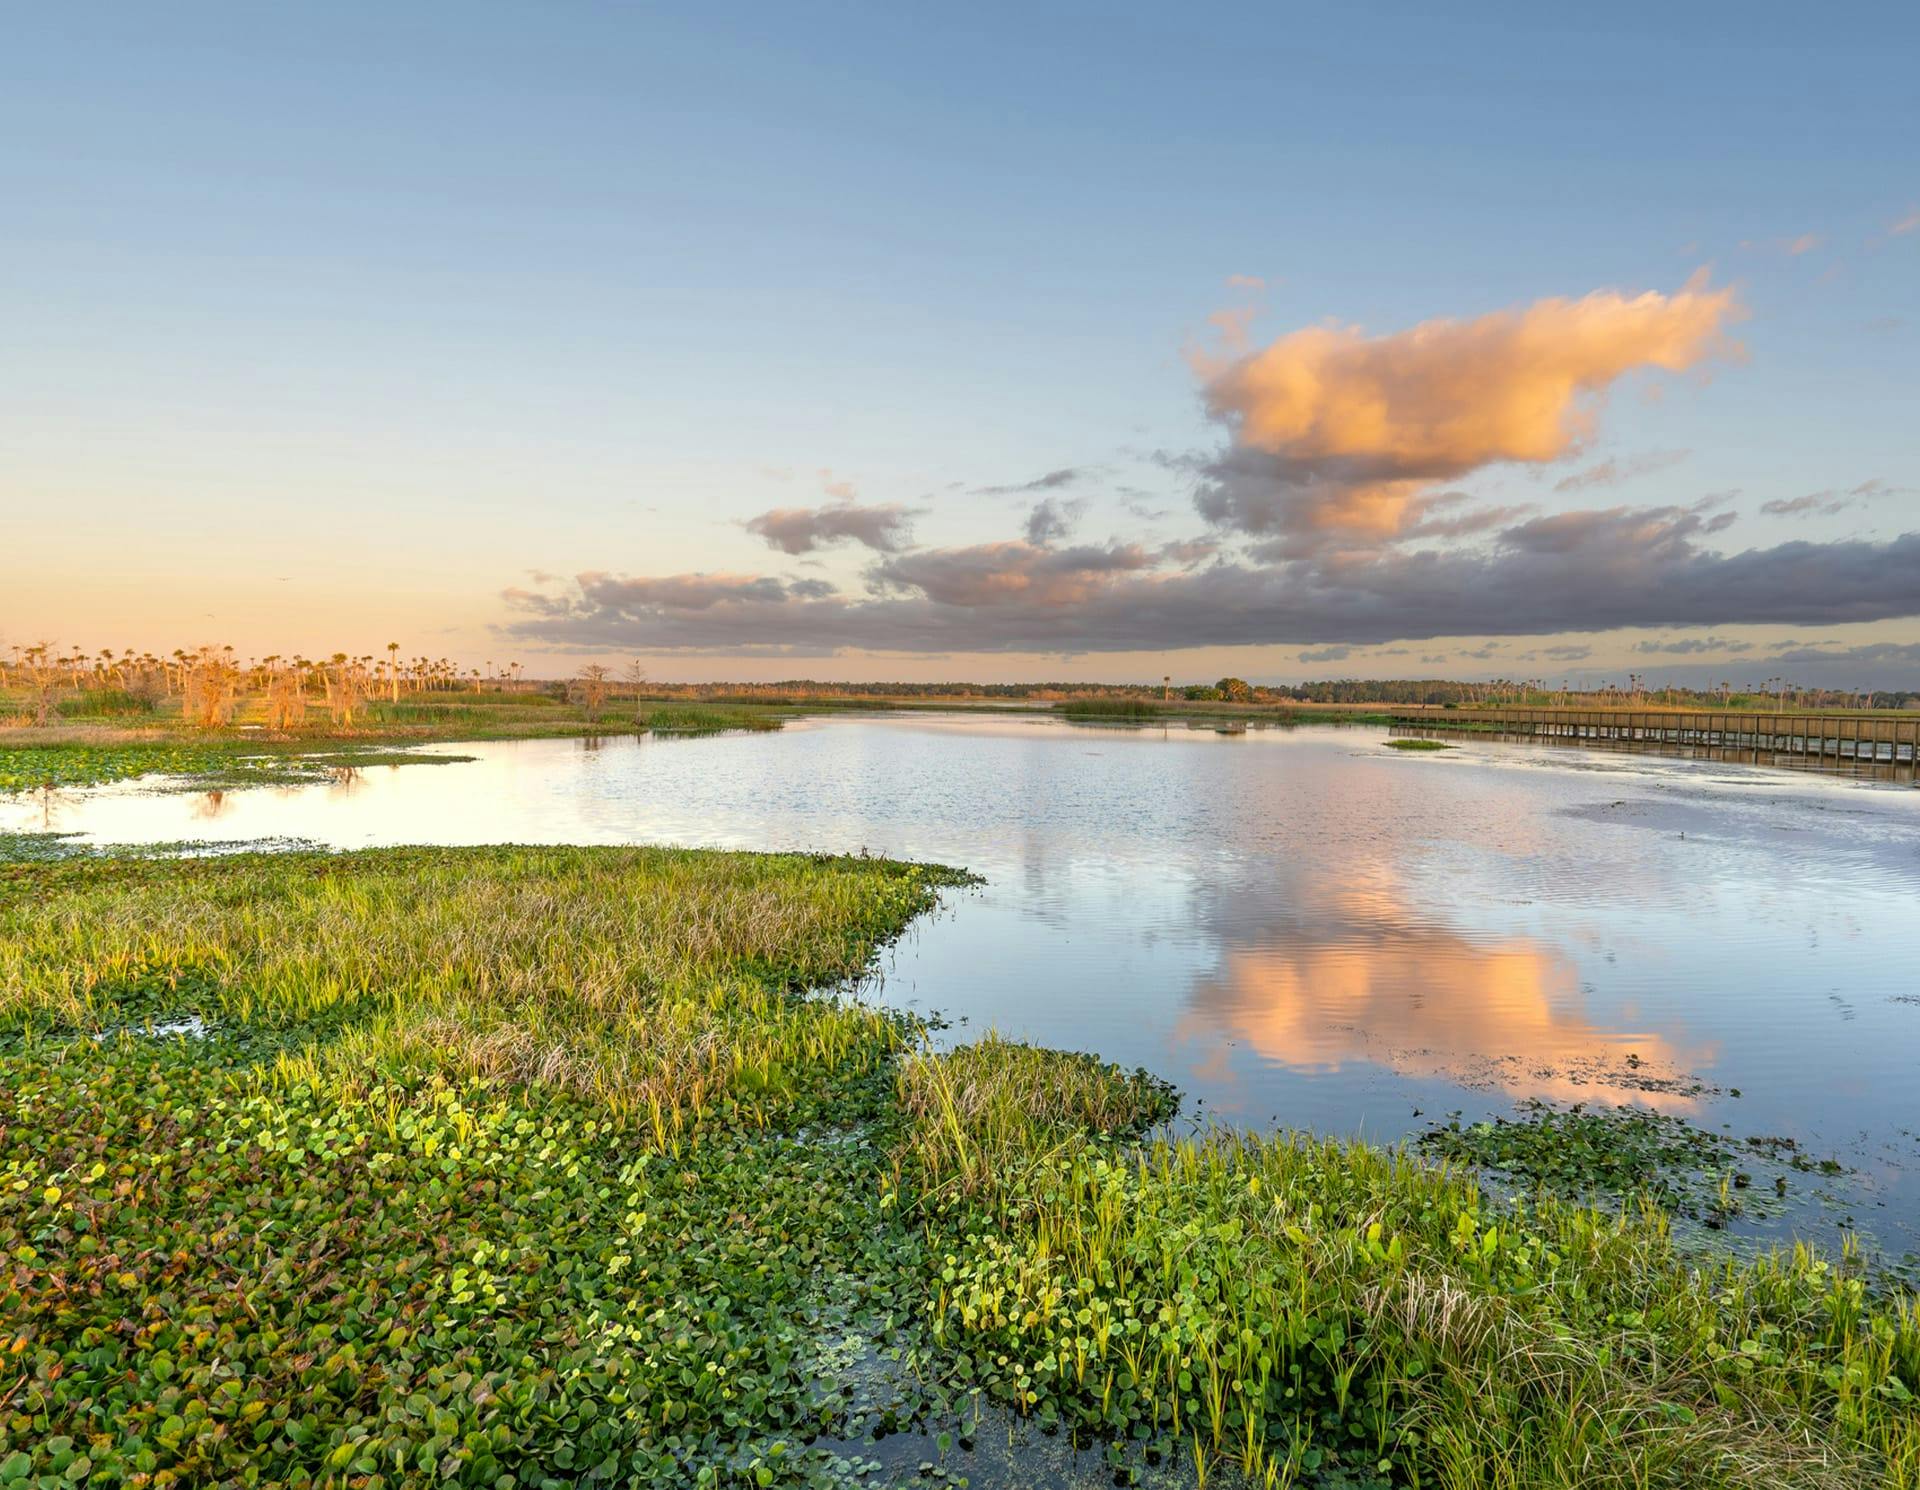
column 1299, row 927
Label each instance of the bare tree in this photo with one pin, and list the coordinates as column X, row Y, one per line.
column 590, row 687
column 43, row 678
column 209, row 687
column 636, row 675
column 286, row 696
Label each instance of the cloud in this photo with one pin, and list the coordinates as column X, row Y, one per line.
column 1692, row 646
column 1831, row 502
column 800, row 530
column 1338, row 435
column 1612, row 472
column 840, row 491
column 1885, row 655
column 1052, row 519
column 1187, row 552
column 1793, row 248
column 1327, row 654
column 1572, row 572
column 1245, row 282
column 1051, row 481
column 1909, row 222
column 1019, row 574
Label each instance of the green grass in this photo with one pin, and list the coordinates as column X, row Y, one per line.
column 1110, row 708
column 489, row 1165
column 1418, row 745
column 97, row 742
column 497, row 1167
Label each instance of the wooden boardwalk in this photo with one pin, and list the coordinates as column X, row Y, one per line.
column 1884, row 745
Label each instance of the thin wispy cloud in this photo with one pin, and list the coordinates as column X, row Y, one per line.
column 1692, row 646
column 1829, row 503
column 1051, row 481
column 1616, row 471
column 1793, row 247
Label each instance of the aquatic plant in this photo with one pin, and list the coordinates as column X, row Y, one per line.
column 1293, row 1306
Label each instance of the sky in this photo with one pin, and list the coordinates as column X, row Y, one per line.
column 993, row 342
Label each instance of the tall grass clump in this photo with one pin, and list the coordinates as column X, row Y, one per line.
column 106, row 703
column 706, row 719
column 1110, row 708
column 1291, row 1306
column 982, row 1113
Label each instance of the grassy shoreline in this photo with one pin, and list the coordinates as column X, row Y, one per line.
column 528, row 1166
column 94, row 752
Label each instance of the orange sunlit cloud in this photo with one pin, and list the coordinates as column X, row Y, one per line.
column 1365, row 423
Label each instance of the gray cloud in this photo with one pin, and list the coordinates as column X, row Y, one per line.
column 1692, row 645
column 1612, row 472
column 1831, row 502
column 1052, row 519
column 1870, row 654
column 1052, row 481
column 800, row 530
column 1572, row 572
column 1327, row 654
column 993, row 575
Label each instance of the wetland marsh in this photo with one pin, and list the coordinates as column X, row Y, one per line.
column 527, row 1165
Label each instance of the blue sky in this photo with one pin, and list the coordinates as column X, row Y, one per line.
column 335, row 318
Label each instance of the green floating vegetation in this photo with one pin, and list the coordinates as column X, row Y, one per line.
column 196, row 764
column 538, row 1167
column 1607, row 1155
column 31, row 767
column 1418, row 745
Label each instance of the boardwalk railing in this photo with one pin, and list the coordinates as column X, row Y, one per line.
column 1886, row 745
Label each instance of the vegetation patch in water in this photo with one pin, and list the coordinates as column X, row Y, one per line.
column 1418, row 745
column 1607, row 1155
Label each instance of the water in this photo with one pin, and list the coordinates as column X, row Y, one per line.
column 1300, row 927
